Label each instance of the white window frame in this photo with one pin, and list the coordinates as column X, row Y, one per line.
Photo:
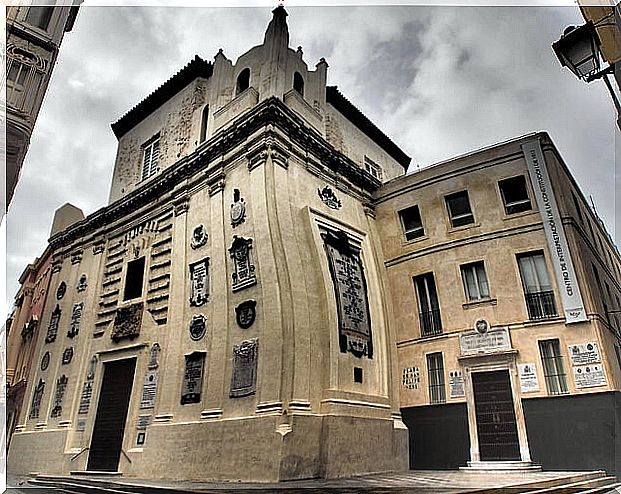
column 417, row 232
column 481, row 284
column 373, row 168
column 149, row 164
column 452, row 217
column 507, row 204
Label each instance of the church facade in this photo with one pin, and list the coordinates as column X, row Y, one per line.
column 268, row 297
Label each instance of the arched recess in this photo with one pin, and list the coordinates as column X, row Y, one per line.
column 298, row 83
column 204, row 121
column 243, row 81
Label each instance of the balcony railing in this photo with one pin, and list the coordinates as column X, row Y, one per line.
column 541, row 305
column 430, row 322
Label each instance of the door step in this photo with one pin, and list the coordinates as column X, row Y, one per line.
column 501, row 466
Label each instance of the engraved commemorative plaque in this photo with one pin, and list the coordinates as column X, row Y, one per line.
column 350, row 288
column 193, row 378
column 246, row 313
column 244, row 378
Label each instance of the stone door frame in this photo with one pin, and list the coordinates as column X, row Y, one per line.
column 499, row 361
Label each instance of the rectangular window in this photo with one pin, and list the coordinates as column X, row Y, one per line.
column 134, row 279
column 553, row 369
column 150, row 157
column 411, row 223
column 459, row 210
column 475, row 281
column 428, row 306
column 40, row 16
column 618, row 354
column 537, row 287
column 515, row 195
column 372, row 167
column 435, row 369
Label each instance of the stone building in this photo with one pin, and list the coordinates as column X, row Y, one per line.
column 33, row 36
column 266, row 284
column 508, row 288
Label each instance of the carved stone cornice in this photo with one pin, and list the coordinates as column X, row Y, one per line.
column 216, row 183
column 182, row 205
column 76, row 256
column 99, row 246
column 271, row 111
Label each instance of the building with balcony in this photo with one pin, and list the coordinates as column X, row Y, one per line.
column 268, row 296
column 506, row 287
column 33, row 37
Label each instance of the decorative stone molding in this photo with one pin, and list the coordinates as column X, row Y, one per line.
column 76, row 256
column 369, row 209
column 199, row 237
column 57, row 264
column 238, row 209
column 215, row 187
column 244, row 377
column 82, row 283
column 328, row 197
column 181, row 206
column 61, row 290
column 99, row 247
column 127, row 322
column 76, row 317
column 244, row 271
column 67, row 356
column 198, row 327
column 256, row 158
column 199, row 282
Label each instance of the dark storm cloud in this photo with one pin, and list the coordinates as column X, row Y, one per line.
column 441, row 81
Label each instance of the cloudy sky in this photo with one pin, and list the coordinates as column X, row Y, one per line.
column 440, row 80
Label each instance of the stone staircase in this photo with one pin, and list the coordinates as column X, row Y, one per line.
column 415, row 482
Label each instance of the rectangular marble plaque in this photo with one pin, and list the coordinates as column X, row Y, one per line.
column 351, row 294
column 244, row 378
column 85, row 397
column 193, row 378
column 528, row 378
column 199, row 282
column 149, row 389
column 456, row 384
column 585, row 353
column 493, row 340
column 142, row 422
column 411, row 377
column 589, row 376
column 80, row 425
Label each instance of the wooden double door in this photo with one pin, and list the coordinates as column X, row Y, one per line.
column 109, row 428
column 495, row 416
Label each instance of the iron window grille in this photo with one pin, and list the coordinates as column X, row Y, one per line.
column 538, row 291
column 435, row 370
column 515, row 195
column 553, row 369
column 459, row 210
column 411, row 223
column 475, row 281
column 429, row 308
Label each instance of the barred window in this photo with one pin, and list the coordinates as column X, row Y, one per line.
column 435, row 369
column 556, row 380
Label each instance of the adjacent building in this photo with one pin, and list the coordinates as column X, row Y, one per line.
column 34, row 33
column 268, row 296
column 508, row 290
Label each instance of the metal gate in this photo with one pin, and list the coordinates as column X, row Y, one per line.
column 109, row 428
column 495, row 413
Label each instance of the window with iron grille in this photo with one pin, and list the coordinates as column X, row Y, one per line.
column 435, row 370
column 556, row 380
column 475, row 281
column 150, row 157
column 459, row 210
column 411, row 223
column 515, row 195
column 428, row 306
column 537, row 287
